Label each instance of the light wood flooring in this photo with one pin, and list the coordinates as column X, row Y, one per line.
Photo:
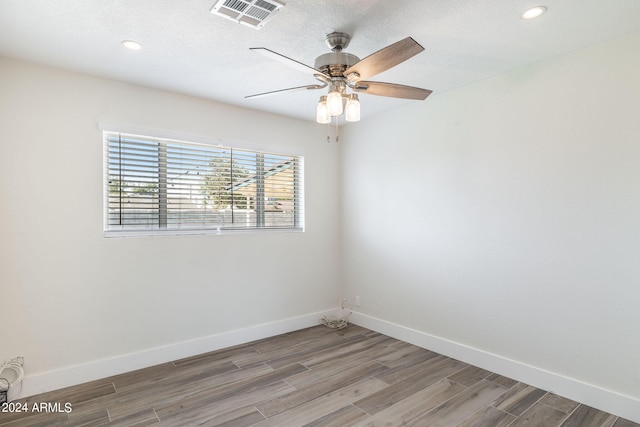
column 313, row 377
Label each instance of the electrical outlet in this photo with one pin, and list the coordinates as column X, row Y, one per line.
column 357, row 301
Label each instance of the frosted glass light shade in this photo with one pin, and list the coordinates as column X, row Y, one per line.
column 322, row 112
column 352, row 113
column 334, row 103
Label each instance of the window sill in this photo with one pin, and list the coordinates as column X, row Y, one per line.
column 208, row 232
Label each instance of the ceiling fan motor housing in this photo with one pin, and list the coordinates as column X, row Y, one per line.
column 335, row 63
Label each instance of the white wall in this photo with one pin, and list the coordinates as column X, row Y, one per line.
column 70, row 297
column 505, row 216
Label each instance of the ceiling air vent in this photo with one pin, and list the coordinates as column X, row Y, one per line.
column 253, row 13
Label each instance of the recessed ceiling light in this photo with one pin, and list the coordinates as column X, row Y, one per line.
column 131, row 44
column 534, row 12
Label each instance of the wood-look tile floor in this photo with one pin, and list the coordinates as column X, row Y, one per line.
column 312, row 377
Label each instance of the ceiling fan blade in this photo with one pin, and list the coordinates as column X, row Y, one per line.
column 291, row 89
column 287, row 61
column 392, row 90
column 384, row 59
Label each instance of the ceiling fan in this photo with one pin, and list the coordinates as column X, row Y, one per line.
column 341, row 71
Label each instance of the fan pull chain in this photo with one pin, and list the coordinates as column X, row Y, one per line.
column 337, row 138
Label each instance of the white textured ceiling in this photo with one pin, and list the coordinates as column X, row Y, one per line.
column 189, row 50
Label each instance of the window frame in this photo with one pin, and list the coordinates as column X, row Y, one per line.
column 297, row 187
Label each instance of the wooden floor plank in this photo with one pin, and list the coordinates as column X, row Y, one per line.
column 488, row 416
column 586, row 416
column 142, row 417
column 518, row 399
column 395, row 393
column 560, row 403
column 540, row 415
column 323, row 405
column 162, row 395
column 301, row 396
column 141, row 376
column 345, row 416
column 214, row 394
column 323, row 371
column 288, row 347
column 503, row 381
column 400, row 372
column 227, row 409
column 412, row 407
column 316, row 351
column 346, row 351
column 469, row 375
column 403, row 352
column 461, row 406
column 94, row 418
column 224, row 355
column 242, row 417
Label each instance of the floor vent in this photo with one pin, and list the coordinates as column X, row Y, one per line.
column 253, row 13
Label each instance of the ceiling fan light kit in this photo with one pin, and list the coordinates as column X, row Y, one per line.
column 342, row 71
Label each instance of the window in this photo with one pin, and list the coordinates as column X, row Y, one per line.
column 155, row 185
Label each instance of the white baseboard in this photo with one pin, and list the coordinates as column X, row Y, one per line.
column 588, row 394
column 94, row 370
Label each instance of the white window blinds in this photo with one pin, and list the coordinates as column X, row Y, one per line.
column 163, row 184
